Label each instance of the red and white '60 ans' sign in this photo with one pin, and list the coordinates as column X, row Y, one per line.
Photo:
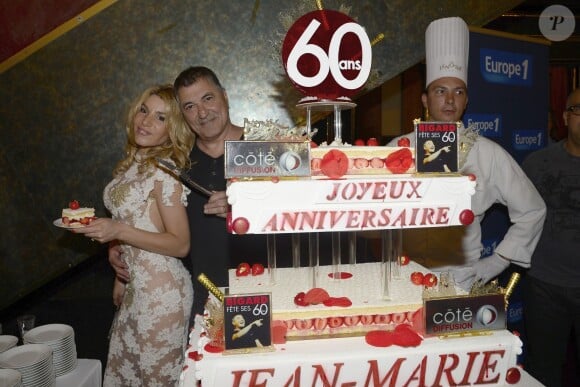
column 327, row 55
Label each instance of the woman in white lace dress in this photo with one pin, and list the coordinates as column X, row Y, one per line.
column 149, row 222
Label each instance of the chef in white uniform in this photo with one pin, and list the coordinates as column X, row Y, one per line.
column 499, row 177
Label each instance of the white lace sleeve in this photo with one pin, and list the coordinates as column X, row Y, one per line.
column 169, row 185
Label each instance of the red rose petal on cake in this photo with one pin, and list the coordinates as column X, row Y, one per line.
column 405, row 336
column 404, row 141
column 340, row 275
column 195, row 356
column 213, row 349
column 299, row 299
column 316, row 296
column 379, row 338
column 279, row 332
column 334, row 164
column 399, row 161
column 344, row 302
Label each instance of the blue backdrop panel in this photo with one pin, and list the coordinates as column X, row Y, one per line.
column 508, row 80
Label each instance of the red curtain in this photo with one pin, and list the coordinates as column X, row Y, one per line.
column 559, row 90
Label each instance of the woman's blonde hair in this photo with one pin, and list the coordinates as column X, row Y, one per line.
column 180, row 137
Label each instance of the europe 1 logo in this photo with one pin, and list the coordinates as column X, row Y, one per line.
column 326, row 54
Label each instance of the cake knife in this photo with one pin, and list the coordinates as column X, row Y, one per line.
column 183, row 176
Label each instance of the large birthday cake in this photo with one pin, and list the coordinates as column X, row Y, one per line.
column 469, row 361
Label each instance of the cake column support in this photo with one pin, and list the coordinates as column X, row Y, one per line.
column 352, row 248
column 313, row 258
column 337, row 124
column 309, row 122
column 335, row 255
column 271, row 247
column 295, row 250
column 386, row 255
column 397, row 243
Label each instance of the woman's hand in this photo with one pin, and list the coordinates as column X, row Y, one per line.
column 102, row 230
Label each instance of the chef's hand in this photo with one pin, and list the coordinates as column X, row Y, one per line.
column 484, row 270
column 490, row 267
column 217, row 204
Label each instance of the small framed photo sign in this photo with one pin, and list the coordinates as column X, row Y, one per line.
column 247, row 322
column 436, row 146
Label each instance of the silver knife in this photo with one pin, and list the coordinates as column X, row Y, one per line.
column 186, row 179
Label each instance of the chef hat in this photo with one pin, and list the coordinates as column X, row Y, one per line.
column 447, row 49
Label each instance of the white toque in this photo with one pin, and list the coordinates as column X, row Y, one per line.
column 447, row 49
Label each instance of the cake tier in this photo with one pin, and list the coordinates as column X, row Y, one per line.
column 370, row 203
column 372, row 307
column 478, row 360
column 365, row 160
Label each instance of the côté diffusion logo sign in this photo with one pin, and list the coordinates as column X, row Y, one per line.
column 488, row 125
column 506, row 68
column 449, row 316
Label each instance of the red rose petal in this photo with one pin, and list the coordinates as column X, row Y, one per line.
column 405, row 336
column 379, row 338
column 316, row 296
column 334, row 164
column 344, row 302
column 279, row 330
column 299, row 299
column 213, row 349
column 404, row 141
column 399, row 161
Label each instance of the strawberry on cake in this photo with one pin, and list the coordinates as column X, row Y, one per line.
column 77, row 215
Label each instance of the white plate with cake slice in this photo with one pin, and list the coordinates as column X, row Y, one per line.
column 58, row 223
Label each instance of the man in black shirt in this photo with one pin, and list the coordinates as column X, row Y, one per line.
column 204, row 104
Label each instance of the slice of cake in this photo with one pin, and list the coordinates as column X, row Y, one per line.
column 75, row 214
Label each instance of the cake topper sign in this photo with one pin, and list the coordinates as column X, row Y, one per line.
column 327, row 55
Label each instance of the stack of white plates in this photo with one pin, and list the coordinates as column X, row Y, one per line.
column 10, row 378
column 7, row 342
column 59, row 337
column 33, row 361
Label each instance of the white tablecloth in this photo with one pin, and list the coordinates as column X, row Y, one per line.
column 87, row 374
